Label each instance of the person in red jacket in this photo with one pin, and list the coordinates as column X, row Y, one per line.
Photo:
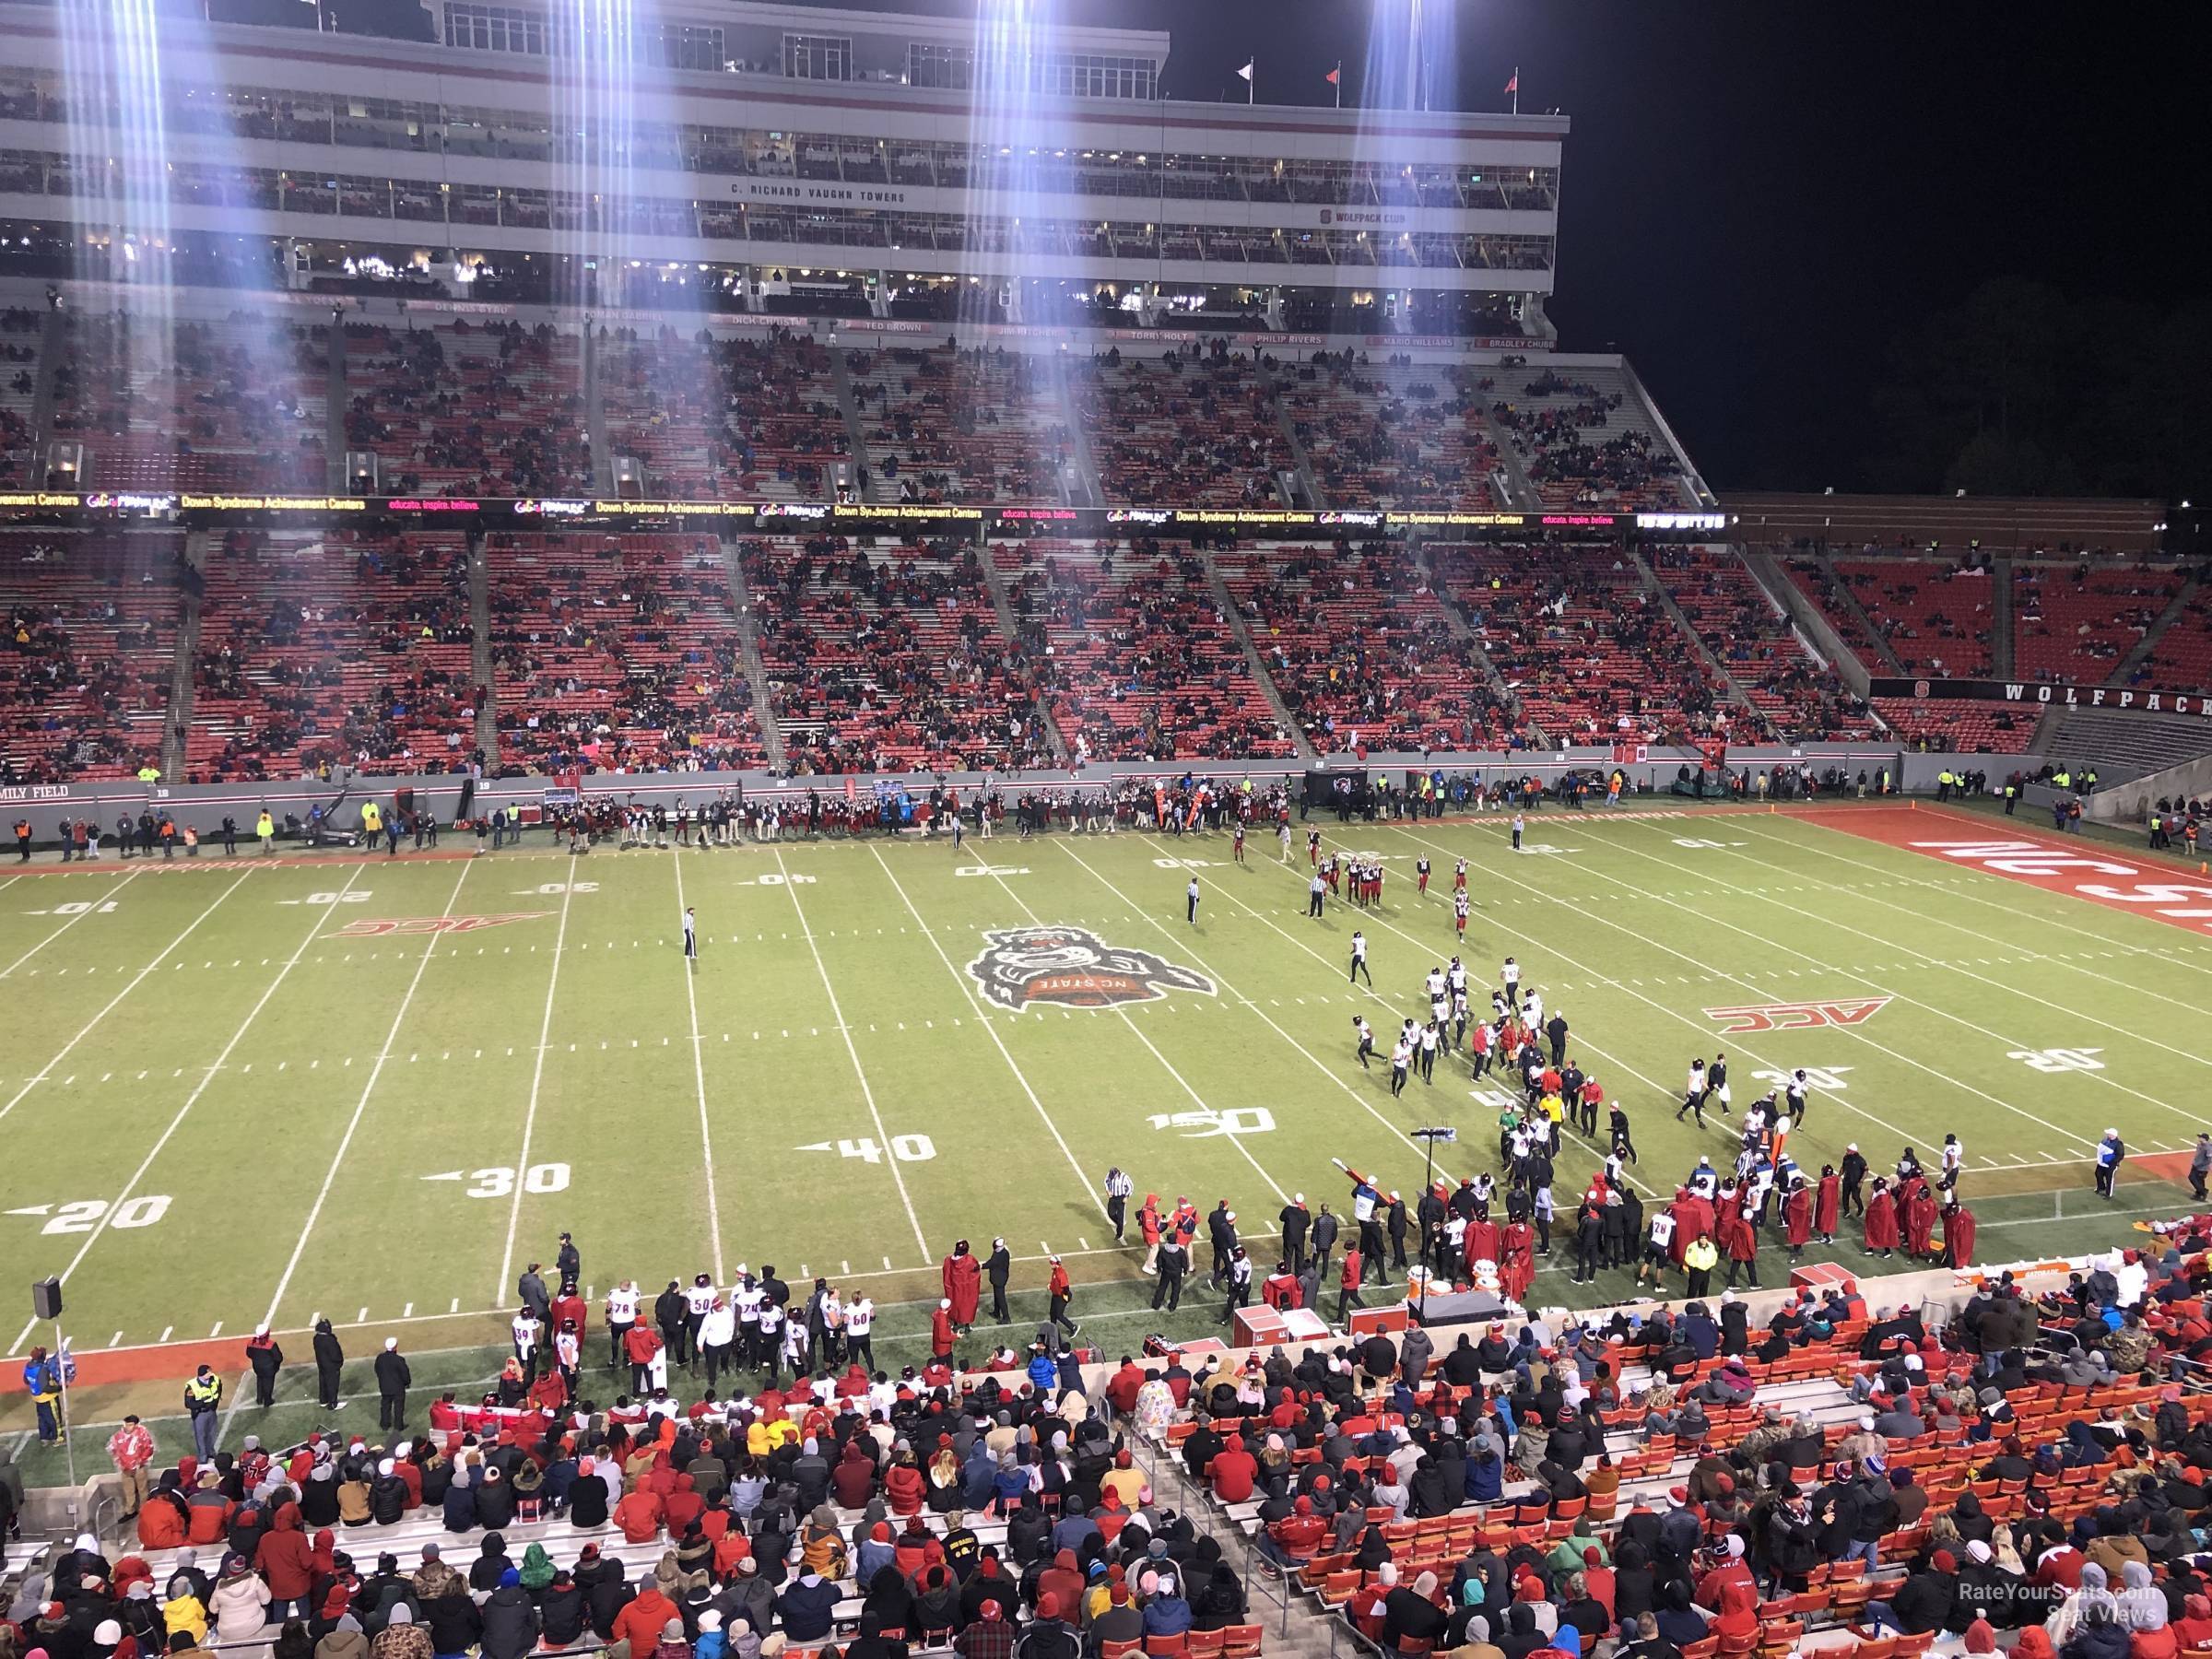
column 941, row 1324
column 1147, row 1227
column 1881, row 1220
column 1234, row 1471
column 1917, row 1209
column 1295, row 1539
column 1957, row 1235
column 639, row 1515
column 1828, row 1204
column 963, row 1277
column 1739, row 1238
column 642, row 1620
column 1797, row 1218
column 162, row 1517
column 1517, row 1259
column 1347, row 1284
column 286, row 1558
column 641, row 1343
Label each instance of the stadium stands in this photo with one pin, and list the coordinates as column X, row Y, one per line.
column 1936, row 617
column 1361, row 650
column 333, row 649
column 1798, row 698
column 2073, row 623
column 889, row 660
column 947, row 425
column 1586, row 439
column 1392, row 434
column 465, row 408
column 662, row 400
column 1997, row 728
column 781, row 431
column 2180, row 659
column 1593, row 657
column 1199, row 428
column 90, row 652
column 619, row 652
column 20, row 330
column 1141, row 664
column 235, row 403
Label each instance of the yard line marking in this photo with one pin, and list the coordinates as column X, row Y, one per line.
column 1599, row 916
column 119, row 995
column 130, row 1187
column 990, row 1030
column 538, row 1074
column 66, row 926
column 1319, row 1064
column 837, row 1013
column 338, row 1163
column 1959, row 968
column 165, row 1332
column 698, row 1074
column 2062, row 958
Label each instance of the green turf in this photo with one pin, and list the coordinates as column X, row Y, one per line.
column 832, row 1007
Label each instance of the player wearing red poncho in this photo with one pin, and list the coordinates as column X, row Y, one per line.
column 1881, row 1220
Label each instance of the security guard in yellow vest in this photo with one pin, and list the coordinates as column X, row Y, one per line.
column 203, row 1403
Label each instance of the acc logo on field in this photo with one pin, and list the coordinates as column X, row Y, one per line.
column 1021, row 967
column 369, row 927
column 1791, row 1017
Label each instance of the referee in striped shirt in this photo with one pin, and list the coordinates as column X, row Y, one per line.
column 1118, row 1188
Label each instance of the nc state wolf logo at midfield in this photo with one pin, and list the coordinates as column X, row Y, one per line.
column 1793, row 1016
column 1072, row 966
column 369, row 927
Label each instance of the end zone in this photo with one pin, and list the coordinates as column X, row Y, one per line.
column 2067, row 865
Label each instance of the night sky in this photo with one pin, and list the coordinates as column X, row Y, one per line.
column 1759, row 197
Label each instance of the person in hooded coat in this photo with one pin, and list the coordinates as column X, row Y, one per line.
column 511, row 1623
column 239, row 1609
column 1957, row 1235
column 1881, row 1220
column 561, row 1612
column 345, row 1639
column 285, row 1560
column 491, row 1562
column 963, row 1278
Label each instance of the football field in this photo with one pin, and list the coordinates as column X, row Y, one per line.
column 376, row 1089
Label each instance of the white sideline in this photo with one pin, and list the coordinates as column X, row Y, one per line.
column 500, row 1291
column 66, row 926
column 338, row 1161
column 699, row 1075
column 883, row 1136
column 86, row 1030
column 130, row 1187
column 990, row 1029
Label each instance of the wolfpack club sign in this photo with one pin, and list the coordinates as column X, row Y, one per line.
column 373, row 927
column 1025, row 967
column 1798, row 1015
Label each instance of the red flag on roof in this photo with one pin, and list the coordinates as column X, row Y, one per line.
column 1514, row 84
column 1333, row 76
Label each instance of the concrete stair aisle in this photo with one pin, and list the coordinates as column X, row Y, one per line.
column 334, row 411
column 1002, row 605
column 480, row 655
column 1889, row 663
column 748, row 643
column 594, row 416
column 1083, row 489
column 1254, row 661
column 1307, row 481
column 1806, row 617
column 1471, row 643
column 178, row 719
column 2150, row 642
column 2000, row 617
column 848, row 406
column 1658, row 589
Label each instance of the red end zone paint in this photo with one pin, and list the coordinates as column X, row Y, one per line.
column 2078, row 868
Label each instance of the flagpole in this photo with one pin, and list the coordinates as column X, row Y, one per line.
column 1516, row 88
column 1338, row 83
column 1251, row 81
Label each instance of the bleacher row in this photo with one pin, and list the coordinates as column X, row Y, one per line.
column 628, row 650
column 1811, row 1383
